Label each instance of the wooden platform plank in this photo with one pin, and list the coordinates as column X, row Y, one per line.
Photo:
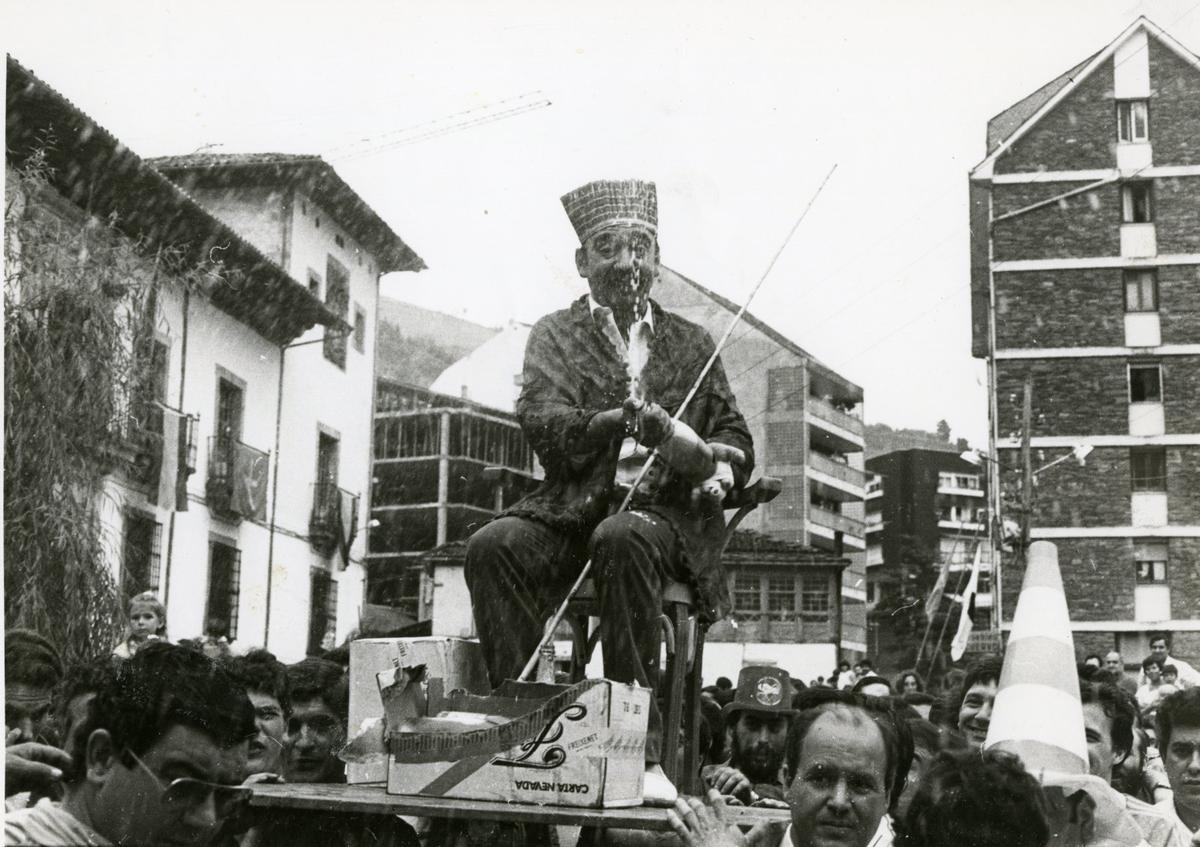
column 374, row 799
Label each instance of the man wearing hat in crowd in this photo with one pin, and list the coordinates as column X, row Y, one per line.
column 757, row 722
column 583, row 365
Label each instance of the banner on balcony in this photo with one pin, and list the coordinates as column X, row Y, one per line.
column 172, row 474
column 249, row 495
column 347, row 524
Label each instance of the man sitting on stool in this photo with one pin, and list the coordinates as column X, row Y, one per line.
column 582, row 366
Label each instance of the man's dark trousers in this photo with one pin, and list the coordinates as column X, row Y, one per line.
column 518, row 571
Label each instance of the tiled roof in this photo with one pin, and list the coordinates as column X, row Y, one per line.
column 311, row 174
column 1007, row 122
column 92, row 169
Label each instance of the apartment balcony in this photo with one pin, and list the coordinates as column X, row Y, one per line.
column 332, row 509
column 136, row 443
column 835, row 480
column 236, row 486
column 826, row 527
column 831, row 428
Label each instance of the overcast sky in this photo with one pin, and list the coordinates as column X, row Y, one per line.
column 736, row 114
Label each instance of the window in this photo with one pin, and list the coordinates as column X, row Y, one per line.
column 1148, row 468
column 781, row 596
column 1145, row 384
column 1150, row 572
column 230, row 403
column 325, row 492
column 1133, row 120
column 339, row 241
column 224, row 579
column 322, row 619
column 154, row 390
column 314, row 283
column 1141, row 290
column 746, row 597
column 1137, row 206
column 360, row 329
column 141, row 554
column 814, row 593
column 337, row 298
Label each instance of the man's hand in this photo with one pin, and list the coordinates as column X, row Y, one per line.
column 701, row 823
column 729, row 781
column 725, row 453
column 656, row 425
column 31, row 766
column 605, row 426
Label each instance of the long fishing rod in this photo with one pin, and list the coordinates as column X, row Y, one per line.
column 548, row 634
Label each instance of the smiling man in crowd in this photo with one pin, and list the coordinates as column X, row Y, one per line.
column 972, row 712
column 1178, row 732
column 158, row 761
column 757, row 719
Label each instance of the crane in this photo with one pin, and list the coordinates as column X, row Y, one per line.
column 456, row 122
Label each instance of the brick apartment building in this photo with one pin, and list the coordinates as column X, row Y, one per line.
column 1085, row 272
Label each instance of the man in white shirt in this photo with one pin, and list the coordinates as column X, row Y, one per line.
column 1160, row 650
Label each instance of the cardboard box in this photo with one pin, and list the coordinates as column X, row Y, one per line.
column 580, row 745
column 458, row 662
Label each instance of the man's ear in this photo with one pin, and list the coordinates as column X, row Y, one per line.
column 101, row 756
column 581, row 261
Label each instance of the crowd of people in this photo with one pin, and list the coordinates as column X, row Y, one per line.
column 921, row 776
column 160, row 743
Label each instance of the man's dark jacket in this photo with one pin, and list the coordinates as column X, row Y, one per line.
column 572, row 371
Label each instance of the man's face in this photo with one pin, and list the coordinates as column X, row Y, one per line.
column 314, row 735
column 1097, row 727
column 129, row 807
column 759, row 740
column 27, row 708
column 1182, row 761
column 1158, row 649
column 975, row 713
column 620, row 264
column 1112, row 662
column 839, row 794
column 266, row 748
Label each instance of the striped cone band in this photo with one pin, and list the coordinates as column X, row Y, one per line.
column 1042, row 613
column 1036, row 718
column 1037, row 713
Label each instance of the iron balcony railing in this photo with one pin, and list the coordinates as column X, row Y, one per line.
column 237, row 474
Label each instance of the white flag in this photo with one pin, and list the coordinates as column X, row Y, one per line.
column 959, row 645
